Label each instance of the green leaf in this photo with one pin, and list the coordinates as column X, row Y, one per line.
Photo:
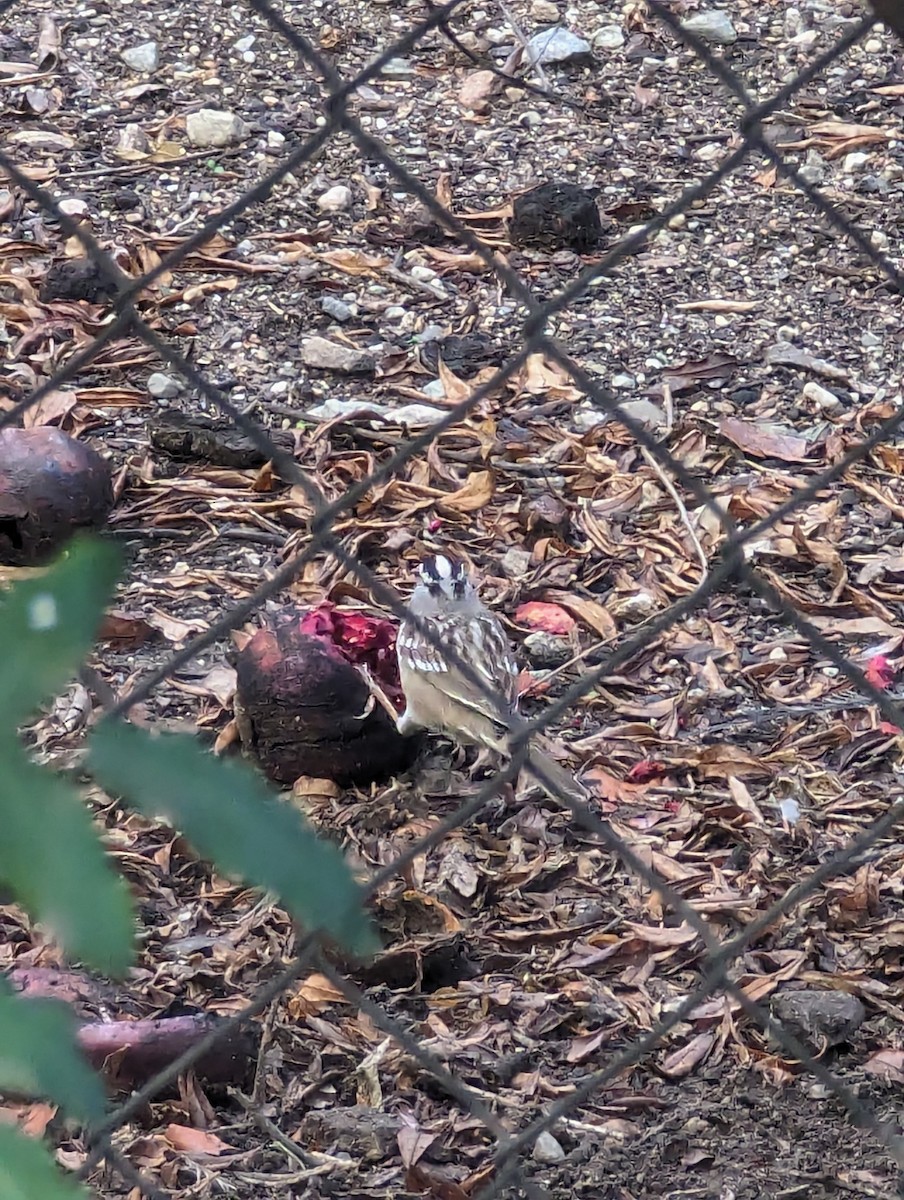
column 39, row 1056
column 52, row 858
column 229, row 813
column 27, row 1172
column 47, row 626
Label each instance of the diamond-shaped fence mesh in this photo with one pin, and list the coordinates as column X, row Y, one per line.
column 714, row 983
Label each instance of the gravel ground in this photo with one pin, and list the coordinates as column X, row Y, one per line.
column 521, row 951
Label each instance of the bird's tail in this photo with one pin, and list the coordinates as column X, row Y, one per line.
column 556, row 781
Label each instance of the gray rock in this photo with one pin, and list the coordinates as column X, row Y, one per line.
column 544, row 10
column 547, row 1149
column 516, row 563
column 854, row 161
column 821, row 397
column 416, row 414
column 806, row 39
column 793, row 22
column 336, row 308
column 163, row 387
column 873, row 185
column 712, row 25
column 430, row 333
column 814, row 168
column 818, row 1017
column 645, row 412
column 547, row 649
column 407, row 415
column 213, row 127
column 325, row 355
column 398, row 68
column 142, row 58
column 133, row 140
column 557, row 45
column 335, row 406
column 610, row 37
column 335, row 199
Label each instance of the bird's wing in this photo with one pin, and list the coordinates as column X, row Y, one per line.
column 480, row 641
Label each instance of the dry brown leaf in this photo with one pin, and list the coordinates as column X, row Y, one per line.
column 413, row 1143
column 591, row 612
column 456, row 390
column 444, row 189
column 584, row 1045
column 51, row 408
column 312, row 996
column 743, row 799
column 197, row 290
column 125, row 632
column 722, row 761
column 688, row 374
column 172, row 628
column 476, row 493
column 721, row 306
column 887, row 1064
column 767, row 178
column 765, row 442
column 353, row 262
column 607, row 787
column 643, row 98
column 195, row 1141
column 854, row 626
column 663, row 936
column 542, row 376
column 682, row 1061
column 37, row 1118
column 307, row 785
column 419, row 1180
column 448, row 261
column 48, row 55
column 165, row 152
column 426, row 904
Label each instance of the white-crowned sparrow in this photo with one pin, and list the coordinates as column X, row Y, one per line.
column 438, row 694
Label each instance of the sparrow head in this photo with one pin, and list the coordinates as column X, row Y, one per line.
column 443, row 583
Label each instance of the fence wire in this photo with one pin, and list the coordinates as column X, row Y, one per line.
column 716, row 978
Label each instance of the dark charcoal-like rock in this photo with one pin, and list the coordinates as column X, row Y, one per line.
column 76, row 279
column 818, row 1017
column 556, row 216
column 463, row 353
column 360, row 1132
column 303, row 708
column 51, row 486
column 195, row 437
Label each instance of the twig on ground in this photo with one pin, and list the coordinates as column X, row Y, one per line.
column 523, row 39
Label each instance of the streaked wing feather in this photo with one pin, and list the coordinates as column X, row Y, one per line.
column 481, row 632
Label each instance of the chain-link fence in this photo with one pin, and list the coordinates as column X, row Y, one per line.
column 510, row 1168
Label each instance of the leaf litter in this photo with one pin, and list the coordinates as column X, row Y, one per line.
column 726, row 754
